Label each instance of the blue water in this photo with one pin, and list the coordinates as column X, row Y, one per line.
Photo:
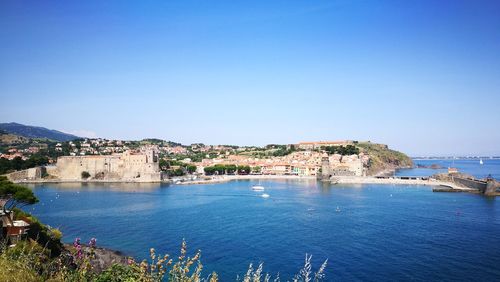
column 469, row 166
column 382, row 232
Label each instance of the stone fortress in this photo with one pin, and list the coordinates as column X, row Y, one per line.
column 131, row 166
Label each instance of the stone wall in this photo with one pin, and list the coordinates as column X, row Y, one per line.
column 470, row 183
column 130, row 166
column 34, row 173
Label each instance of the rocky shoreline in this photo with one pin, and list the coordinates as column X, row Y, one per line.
column 104, row 258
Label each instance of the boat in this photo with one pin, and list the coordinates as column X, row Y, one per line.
column 480, row 161
column 258, row 188
column 265, row 195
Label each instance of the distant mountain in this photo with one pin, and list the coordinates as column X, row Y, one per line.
column 36, row 132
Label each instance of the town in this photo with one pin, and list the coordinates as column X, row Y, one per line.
column 152, row 160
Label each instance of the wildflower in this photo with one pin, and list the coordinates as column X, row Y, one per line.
column 76, row 242
column 130, row 261
column 152, row 253
column 92, row 242
column 79, row 253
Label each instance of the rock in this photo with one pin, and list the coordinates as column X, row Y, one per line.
column 104, row 258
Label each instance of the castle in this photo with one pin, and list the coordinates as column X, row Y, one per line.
column 134, row 166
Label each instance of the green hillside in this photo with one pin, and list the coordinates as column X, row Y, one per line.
column 382, row 158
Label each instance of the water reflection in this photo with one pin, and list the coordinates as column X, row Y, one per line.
column 115, row 187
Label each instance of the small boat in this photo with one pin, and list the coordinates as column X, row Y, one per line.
column 265, row 195
column 258, row 188
column 481, row 161
column 337, row 209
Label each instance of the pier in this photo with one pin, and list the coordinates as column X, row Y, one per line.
column 454, row 184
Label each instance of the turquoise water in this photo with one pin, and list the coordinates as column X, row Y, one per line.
column 369, row 232
column 469, row 166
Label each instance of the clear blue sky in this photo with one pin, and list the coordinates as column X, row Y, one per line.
column 421, row 76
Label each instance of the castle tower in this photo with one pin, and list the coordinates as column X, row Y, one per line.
column 491, row 186
column 325, row 167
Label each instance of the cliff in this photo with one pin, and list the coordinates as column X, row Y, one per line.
column 382, row 158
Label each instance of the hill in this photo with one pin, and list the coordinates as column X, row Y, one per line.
column 11, row 139
column 28, row 131
column 383, row 159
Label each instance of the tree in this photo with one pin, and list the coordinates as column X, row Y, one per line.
column 256, row 169
column 230, row 169
column 342, row 150
column 216, row 169
column 85, row 174
column 243, row 169
column 175, row 172
column 14, row 195
column 191, row 168
column 164, row 165
column 220, row 169
column 209, row 170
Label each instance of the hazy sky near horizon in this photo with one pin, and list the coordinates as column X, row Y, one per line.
column 421, row 76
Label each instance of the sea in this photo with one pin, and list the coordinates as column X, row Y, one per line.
column 366, row 232
column 471, row 166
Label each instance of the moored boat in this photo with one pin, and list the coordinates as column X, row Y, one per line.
column 258, row 188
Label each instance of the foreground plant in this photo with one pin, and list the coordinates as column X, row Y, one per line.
column 305, row 274
column 28, row 261
column 163, row 267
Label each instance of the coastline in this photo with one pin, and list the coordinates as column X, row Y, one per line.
column 383, row 178
column 227, row 178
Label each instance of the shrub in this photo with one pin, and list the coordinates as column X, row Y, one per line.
column 85, row 174
column 42, row 234
column 56, row 233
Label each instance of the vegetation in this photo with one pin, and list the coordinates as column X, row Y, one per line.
column 221, row 169
column 18, row 163
column 282, row 152
column 272, row 150
column 14, row 195
column 36, row 132
column 85, row 174
column 29, row 261
column 341, row 150
column 382, row 158
column 176, row 168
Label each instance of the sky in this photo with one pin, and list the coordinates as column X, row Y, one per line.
column 420, row 76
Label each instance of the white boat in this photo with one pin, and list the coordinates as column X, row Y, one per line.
column 265, row 195
column 480, row 161
column 258, row 188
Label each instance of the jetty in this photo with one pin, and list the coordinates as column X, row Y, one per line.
column 451, row 184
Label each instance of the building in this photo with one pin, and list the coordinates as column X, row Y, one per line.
column 305, row 170
column 318, row 144
column 134, row 166
column 276, row 169
column 13, row 230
